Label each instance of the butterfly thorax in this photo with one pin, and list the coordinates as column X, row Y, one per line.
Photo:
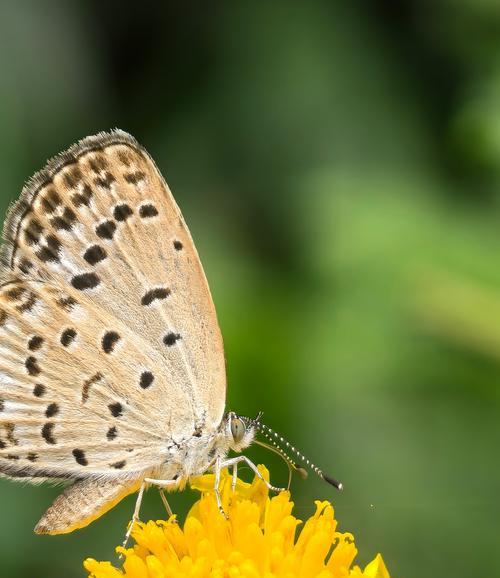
column 200, row 452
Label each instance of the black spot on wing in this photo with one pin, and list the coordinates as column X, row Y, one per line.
column 171, row 338
column 87, row 384
column 39, row 390
column 111, row 433
column 94, row 254
column 72, row 177
column 116, row 409
column 122, row 212
column 35, row 343
column 15, row 293
column 109, row 341
column 52, row 410
column 147, row 211
column 79, row 456
column 50, row 253
column 178, row 245
column 66, row 303
column 146, row 379
column 85, row 281
column 32, row 366
column 83, row 197
column 135, row 177
column 68, row 336
column 64, row 222
column 106, row 181
column 25, row 265
column 51, row 201
column 33, row 232
column 98, row 163
column 47, row 256
column 48, row 432
column 125, row 157
column 106, row 230
column 157, row 293
column 28, row 304
column 9, row 428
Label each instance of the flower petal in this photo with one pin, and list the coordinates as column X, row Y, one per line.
column 376, row 568
column 258, row 540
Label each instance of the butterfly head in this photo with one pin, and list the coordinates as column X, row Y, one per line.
column 239, row 431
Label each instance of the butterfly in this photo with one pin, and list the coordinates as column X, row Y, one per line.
column 112, row 370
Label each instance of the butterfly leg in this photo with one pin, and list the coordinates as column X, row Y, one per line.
column 233, row 461
column 234, row 477
column 163, row 484
column 165, row 502
column 218, row 468
column 135, row 515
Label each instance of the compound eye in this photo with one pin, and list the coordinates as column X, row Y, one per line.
column 237, row 429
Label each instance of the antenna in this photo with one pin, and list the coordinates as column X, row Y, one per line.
column 292, row 466
column 276, row 439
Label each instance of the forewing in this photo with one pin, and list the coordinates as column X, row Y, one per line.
column 107, row 310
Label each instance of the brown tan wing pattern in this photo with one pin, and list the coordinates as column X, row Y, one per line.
column 107, row 325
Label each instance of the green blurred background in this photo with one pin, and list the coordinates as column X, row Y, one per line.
column 339, row 166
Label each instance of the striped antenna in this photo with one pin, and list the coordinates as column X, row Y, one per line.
column 276, row 440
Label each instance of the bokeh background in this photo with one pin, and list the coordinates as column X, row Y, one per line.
column 339, row 166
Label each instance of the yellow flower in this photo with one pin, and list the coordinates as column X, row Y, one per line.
column 258, row 540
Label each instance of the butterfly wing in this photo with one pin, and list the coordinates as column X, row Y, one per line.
column 82, row 503
column 110, row 348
